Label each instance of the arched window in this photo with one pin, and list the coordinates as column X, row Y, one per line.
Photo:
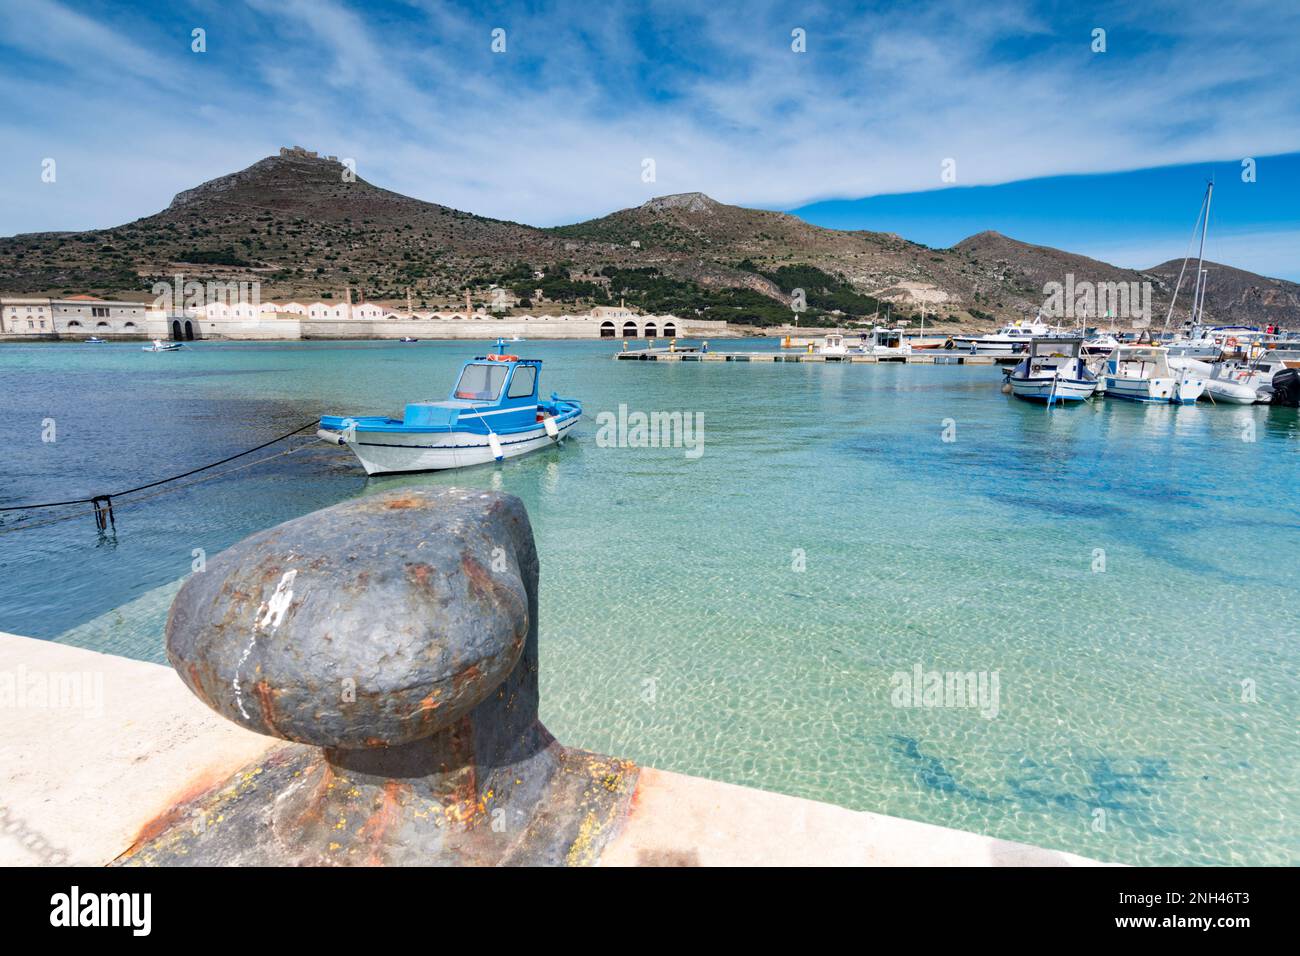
column 649, row 330
column 176, row 330
column 607, row 330
column 629, row 330
column 129, row 325
column 101, row 325
column 670, row 330
column 74, row 324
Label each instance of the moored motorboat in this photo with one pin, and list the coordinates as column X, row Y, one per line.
column 96, row 340
column 834, row 344
column 493, row 413
column 408, row 339
column 1100, row 344
column 1053, row 371
column 1141, row 373
column 1229, row 382
column 887, row 343
column 1009, row 340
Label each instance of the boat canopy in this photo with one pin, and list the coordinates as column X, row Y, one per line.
column 1058, row 347
column 1143, row 355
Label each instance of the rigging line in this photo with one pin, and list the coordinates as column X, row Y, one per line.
column 127, row 505
column 160, row 481
column 1187, row 254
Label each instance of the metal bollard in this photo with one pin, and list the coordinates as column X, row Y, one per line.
column 393, row 638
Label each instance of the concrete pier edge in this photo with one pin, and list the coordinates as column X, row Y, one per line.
column 82, row 785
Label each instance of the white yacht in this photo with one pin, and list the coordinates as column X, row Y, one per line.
column 887, row 343
column 1141, row 373
column 1009, row 340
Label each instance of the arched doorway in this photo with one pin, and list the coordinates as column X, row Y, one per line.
column 629, row 330
column 670, row 331
column 176, row 330
column 189, row 330
column 607, row 329
column 650, row 330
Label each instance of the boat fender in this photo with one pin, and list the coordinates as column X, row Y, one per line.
column 552, row 429
column 334, row 438
column 1006, row 387
column 495, row 444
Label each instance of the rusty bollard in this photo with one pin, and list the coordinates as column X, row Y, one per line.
column 393, row 639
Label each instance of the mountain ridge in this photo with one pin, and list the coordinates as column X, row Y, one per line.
column 303, row 225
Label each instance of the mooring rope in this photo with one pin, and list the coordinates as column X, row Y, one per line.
column 104, row 503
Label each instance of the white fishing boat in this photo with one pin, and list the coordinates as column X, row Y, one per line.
column 1011, row 339
column 493, row 413
column 158, row 345
column 887, row 343
column 1141, row 373
column 1053, row 371
column 834, row 344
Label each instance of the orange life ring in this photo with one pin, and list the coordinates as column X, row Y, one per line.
column 503, row 358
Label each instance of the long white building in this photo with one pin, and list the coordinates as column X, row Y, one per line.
column 82, row 316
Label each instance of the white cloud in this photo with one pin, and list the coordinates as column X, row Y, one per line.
column 555, row 129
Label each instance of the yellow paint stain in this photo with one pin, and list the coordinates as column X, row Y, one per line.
column 582, row 852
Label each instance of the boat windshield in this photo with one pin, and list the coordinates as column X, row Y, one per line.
column 481, row 383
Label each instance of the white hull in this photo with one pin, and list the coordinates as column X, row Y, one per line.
column 1166, row 390
column 383, row 453
column 1222, row 384
column 1210, row 352
column 1045, row 388
column 1231, row 392
column 990, row 347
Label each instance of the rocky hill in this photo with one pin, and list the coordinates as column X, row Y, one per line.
column 305, row 226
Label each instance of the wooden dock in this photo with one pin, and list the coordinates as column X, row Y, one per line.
column 929, row 357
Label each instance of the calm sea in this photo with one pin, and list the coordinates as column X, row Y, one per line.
column 1124, row 576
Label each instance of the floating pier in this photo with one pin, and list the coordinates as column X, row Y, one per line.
column 934, row 357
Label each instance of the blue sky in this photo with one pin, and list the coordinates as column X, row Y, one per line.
column 1098, row 152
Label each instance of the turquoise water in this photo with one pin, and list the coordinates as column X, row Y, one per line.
column 675, row 628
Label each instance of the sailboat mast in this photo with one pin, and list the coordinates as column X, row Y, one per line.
column 1200, row 256
column 1173, row 299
